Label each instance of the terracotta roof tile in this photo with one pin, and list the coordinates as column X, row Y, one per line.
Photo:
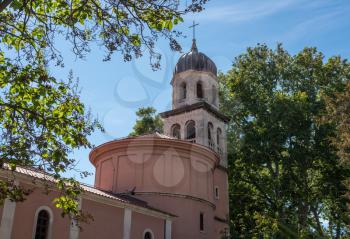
column 124, row 198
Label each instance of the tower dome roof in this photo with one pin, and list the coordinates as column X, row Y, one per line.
column 195, row 60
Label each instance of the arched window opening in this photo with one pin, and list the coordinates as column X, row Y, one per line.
column 175, row 131
column 216, row 192
column 210, row 135
column 218, row 136
column 148, row 234
column 183, row 90
column 191, row 130
column 218, row 141
column 210, row 130
column 42, row 225
column 199, row 90
column 201, row 222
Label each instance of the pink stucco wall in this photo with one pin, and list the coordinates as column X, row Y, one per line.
column 108, row 218
column 220, row 180
column 153, row 165
column 222, row 204
column 23, row 224
column 172, row 175
column 186, row 225
column 107, row 223
column 141, row 222
column 1, row 208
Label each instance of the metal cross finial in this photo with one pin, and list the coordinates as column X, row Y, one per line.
column 194, row 29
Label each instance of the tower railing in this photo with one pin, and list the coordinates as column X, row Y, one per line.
column 193, row 140
column 215, row 148
column 220, row 151
column 211, row 144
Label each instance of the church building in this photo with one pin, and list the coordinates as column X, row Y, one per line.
column 155, row 186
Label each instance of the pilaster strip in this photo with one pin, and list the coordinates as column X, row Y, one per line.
column 168, row 229
column 8, row 214
column 74, row 229
column 127, row 223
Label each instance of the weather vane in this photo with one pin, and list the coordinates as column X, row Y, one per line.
column 194, row 28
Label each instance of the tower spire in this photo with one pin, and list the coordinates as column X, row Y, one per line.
column 194, row 45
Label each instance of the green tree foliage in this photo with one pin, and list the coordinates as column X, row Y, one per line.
column 148, row 122
column 338, row 115
column 284, row 174
column 41, row 118
column 126, row 26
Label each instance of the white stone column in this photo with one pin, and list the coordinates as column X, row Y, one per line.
column 8, row 213
column 127, row 223
column 74, row 229
column 168, row 229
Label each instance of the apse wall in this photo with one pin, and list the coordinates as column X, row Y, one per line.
column 149, row 164
column 176, row 176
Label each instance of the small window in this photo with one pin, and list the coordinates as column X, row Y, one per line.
column 201, row 222
column 175, row 131
column 216, row 192
column 191, row 130
column 183, row 91
column 210, row 130
column 42, row 225
column 199, row 90
column 218, row 136
column 148, row 234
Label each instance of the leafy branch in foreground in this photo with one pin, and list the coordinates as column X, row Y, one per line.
column 125, row 26
column 42, row 120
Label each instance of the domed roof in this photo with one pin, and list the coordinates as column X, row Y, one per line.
column 195, row 60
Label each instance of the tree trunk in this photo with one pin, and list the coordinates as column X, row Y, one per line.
column 337, row 232
column 318, row 223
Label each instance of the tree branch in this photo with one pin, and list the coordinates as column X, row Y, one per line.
column 4, row 4
column 318, row 223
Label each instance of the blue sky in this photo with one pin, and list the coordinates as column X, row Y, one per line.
column 114, row 90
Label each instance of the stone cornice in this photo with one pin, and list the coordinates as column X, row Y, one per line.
column 220, row 167
column 181, row 74
column 156, row 143
column 143, row 210
column 199, row 105
column 221, row 220
column 177, row 195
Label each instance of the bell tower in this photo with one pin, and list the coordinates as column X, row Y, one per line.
column 195, row 112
